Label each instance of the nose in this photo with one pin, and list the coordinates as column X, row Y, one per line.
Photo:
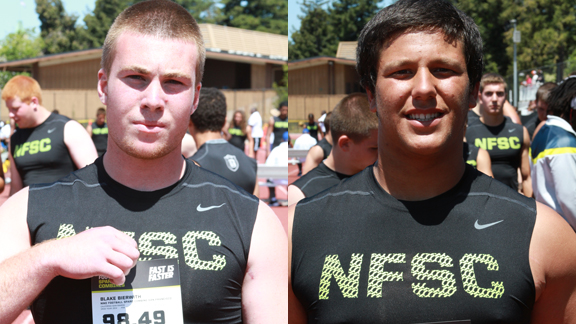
column 424, row 87
column 153, row 96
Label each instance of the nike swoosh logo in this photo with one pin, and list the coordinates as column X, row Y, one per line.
column 480, row 227
column 510, row 130
column 51, row 130
column 203, row 209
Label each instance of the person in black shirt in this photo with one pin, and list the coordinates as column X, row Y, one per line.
column 354, row 129
column 320, row 151
column 98, row 130
column 421, row 237
column 237, row 132
column 142, row 200
column 277, row 126
column 215, row 153
column 312, row 126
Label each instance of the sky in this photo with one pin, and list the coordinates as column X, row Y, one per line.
column 14, row 11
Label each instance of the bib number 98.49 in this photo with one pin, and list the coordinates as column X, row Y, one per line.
column 124, row 318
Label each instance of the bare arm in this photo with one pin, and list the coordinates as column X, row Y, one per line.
column 250, row 141
column 224, row 131
column 553, row 266
column 79, row 143
column 313, row 158
column 89, row 127
column 2, row 183
column 26, row 271
column 16, row 183
column 296, row 313
column 264, row 293
column 511, row 112
column 268, row 133
column 525, row 166
column 294, row 195
column 484, row 164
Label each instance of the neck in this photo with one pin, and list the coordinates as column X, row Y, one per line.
column 419, row 178
column 40, row 116
column 201, row 138
column 329, row 138
column 490, row 119
column 337, row 161
column 141, row 174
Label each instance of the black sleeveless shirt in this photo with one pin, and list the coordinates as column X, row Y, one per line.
column 279, row 128
column 504, row 144
column 238, row 137
column 318, row 179
column 361, row 256
column 325, row 146
column 471, row 154
column 100, row 137
column 211, row 244
column 40, row 154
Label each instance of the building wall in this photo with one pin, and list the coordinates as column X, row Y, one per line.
column 312, row 80
column 74, row 75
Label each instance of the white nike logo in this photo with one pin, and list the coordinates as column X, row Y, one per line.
column 51, row 130
column 203, row 209
column 510, row 130
column 480, row 227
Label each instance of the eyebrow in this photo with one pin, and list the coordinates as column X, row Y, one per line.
column 142, row 70
column 401, row 62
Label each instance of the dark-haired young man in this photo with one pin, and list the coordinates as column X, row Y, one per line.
column 312, row 126
column 215, row 153
column 354, row 131
column 421, row 237
column 553, row 153
column 277, row 126
column 142, row 200
column 98, row 130
column 320, row 151
column 506, row 142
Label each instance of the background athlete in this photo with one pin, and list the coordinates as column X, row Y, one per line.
column 231, row 247
column 422, row 237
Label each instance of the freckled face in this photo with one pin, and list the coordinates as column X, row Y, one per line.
column 150, row 93
column 422, row 94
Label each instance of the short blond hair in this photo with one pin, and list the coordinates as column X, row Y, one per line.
column 492, row 78
column 24, row 87
column 160, row 18
column 352, row 117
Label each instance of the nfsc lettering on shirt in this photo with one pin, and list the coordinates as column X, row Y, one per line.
column 33, row 147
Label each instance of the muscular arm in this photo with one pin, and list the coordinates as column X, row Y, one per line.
column 484, row 164
column 294, row 195
column 313, row 158
column 264, row 295
column 25, row 271
column 553, row 265
column 296, row 313
column 525, row 165
column 80, row 145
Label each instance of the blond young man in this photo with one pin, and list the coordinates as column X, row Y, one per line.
column 231, row 249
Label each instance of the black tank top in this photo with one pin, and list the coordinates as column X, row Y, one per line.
column 224, row 159
column 313, row 129
column 318, row 179
column 325, row 146
column 238, row 137
column 280, row 126
column 471, row 155
column 361, row 256
column 504, row 144
column 100, row 137
column 211, row 244
column 40, row 154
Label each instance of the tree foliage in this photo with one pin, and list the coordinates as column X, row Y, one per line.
column 98, row 22
column 315, row 37
column 57, row 28
column 16, row 46
column 269, row 16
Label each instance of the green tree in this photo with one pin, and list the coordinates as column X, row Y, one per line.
column 16, row 46
column 57, row 28
column 349, row 17
column 204, row 11
column 282, row 88
column 315, row 36
column 269, row 16
column 98, row 22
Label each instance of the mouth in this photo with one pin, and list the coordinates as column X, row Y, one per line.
column 423, row 117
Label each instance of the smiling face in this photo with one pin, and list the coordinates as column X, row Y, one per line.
column 422, row 94
column 150, row 93
column 492, row 99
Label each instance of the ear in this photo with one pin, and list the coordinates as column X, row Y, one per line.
column 344, row 143
column 372, row 100
column 474, row 93
column 103, row 86
column 34, row 103
column 196, row 97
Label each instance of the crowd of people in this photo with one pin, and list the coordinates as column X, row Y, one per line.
column 427, row 198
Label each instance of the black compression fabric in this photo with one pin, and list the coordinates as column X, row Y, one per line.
column 224, row 159
column 471, row 155
column 326, row 147
column 361, row 256
column 211, row 244
column 40, row 154
column 504, row 144
column 313, row 129
column 238, row 137
column 318, row 179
